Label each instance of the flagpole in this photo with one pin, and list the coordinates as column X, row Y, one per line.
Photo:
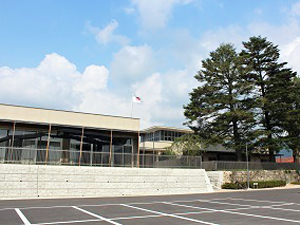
column 131, row 104
column 131, row 107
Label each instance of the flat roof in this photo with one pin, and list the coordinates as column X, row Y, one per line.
column 156, row 128
column 69, row 118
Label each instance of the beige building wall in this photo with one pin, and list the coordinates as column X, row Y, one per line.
column 45, row 116
column 156, row 145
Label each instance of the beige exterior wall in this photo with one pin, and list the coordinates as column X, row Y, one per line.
column 156, row 145
column 36, row 115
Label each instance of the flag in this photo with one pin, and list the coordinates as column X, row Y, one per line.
column 136, row 99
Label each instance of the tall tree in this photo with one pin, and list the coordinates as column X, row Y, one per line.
column 218, row 108
column 271, row 81
column 289, row 117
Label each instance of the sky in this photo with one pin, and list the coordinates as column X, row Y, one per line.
column 90, row 55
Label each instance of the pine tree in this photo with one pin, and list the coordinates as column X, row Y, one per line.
column 271, row 81
column 219, row 108
column 289, row 117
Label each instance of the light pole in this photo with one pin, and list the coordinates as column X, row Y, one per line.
column 247, row 161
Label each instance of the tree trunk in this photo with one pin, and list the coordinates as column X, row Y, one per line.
column 239, row 155
column 271, row 155
column 296, row 154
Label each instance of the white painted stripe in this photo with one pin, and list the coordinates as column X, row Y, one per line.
column 194, row 213
column 37, row 207
column 192, row 207
column 252, row 207
column 169, row 215
column 95, row 215
column 109, row 204
column 254, row 200
column 265, row 201
column 283, row 204
column 71, row 221
column 135, row 217
column 244, row 214
column 125, row 218
column 22, row 217
column 223, row 203
column 284, row 209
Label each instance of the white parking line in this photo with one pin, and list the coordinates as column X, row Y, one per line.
column 135, row 217
column 157, row 215
column 69, row 206
column 169, row 215
column 95, row 215
column 108, row 204
column 271, row 203
column 240, row 213
column 284, row 209
column 71, row 221
column 261, row 201
column 119, row 218
column 223, row 203
column 22, row 217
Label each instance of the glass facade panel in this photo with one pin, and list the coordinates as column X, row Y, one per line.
column 96, row 147
column 25, row 143
column 161, row 135
column 122, row 151
column 5, row 141
column 29, row 145
column 64, row 145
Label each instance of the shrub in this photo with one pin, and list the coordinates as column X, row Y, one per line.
column 261, row 184
column 296, row 182
column 236, row 185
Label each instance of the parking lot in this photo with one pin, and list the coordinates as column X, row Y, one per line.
column 276, row 206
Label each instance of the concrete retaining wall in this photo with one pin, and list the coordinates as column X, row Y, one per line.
column 217, row 178
column 33, row 181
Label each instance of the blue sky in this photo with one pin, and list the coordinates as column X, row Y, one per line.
column 90, row 55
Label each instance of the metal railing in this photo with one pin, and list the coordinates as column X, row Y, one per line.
column 225, row 165
column 88, row 158
column 115, row 159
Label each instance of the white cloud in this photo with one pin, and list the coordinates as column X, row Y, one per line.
column 93, row 78
column 132, row 63
column 107, row 34
column 48, row 85
column 105, row 102
column 291, row 53
column 163, row 97
column 155, row 14
column 129, row 10
column 54, row 83
column 295, row 11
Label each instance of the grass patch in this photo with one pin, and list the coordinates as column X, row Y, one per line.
column 261, row 184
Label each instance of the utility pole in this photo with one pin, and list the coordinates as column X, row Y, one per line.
column 247, row 160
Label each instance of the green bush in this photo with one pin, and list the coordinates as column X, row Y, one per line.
column 236, row 185
column 261, row 184
column 296, row 182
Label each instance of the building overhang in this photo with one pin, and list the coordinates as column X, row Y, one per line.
column 67, row 118
column 157, row 128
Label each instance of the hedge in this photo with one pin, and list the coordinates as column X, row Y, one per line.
column 261, row 184
column 296, row 182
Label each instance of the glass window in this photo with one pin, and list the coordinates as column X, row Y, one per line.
column 25, row 143
column 4, row 143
